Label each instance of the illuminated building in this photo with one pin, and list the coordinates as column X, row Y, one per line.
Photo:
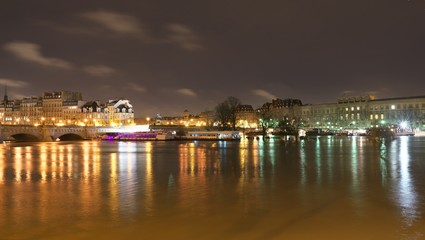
column 358, row 112
column 246, row 117
column 65, row 108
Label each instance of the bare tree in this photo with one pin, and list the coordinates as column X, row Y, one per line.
column 225, row 113
column 233, row 104
column 222, row 114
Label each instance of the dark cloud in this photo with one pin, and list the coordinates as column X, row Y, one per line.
column 163, row 54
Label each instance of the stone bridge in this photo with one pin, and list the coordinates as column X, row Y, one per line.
column 47, row 133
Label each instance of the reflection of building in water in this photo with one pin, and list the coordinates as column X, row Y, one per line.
column 149, row 181
column 34, row 172
column 127, row 177
column 251, row 188
column 404, row 188
column 195, row 161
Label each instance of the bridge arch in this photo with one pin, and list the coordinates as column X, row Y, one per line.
column 25, row 137
column 70, row 137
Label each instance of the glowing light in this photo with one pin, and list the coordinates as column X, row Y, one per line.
column 404, row 124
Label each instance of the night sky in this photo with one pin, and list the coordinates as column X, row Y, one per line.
column 168, row 56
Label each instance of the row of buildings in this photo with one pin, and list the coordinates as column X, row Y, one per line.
column 348, row 112
column 65, row 108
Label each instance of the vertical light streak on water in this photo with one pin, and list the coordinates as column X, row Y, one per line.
column 96, row 159
column 2, row 163
column 86, row 191
column 28, row 162
column 128, row 182
column 43, row 191
column 86, row 159
column 272, row 156
column 201, row 161
column 69, row 160
column 149, row 183
column 43, row 163
column 354, row 165
column 192, row 159
column 249, row 186
column 244, row 174
column 200, row 182
column 61, row 162
column 318, row 158
column 184, row 167
column 406, row 195
column 243, row 152
column 260, row 159
column 361, row 156
column 54, row 161
column 255, row 156
column 17, row 163
column 330, row 158
column 383, row 158
column 113, row 183
column 303, row 163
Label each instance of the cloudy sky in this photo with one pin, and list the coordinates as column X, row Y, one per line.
column 168, row 56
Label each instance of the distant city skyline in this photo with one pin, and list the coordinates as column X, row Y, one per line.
column 166, row 57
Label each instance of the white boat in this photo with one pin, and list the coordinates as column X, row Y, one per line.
column 404, row 133
column 212, row 135
column 139, row 136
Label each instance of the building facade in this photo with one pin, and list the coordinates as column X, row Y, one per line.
column 363, row 112
column 65, row 108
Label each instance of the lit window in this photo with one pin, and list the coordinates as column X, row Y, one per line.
column 392, row 107
column 382, row 116
column 358, row 108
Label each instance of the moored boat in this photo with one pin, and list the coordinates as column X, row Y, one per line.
column 211, row 135
column 139, row 136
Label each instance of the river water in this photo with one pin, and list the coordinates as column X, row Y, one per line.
column 324, row 188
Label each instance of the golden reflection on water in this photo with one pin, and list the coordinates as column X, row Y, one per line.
column 2, row 163
column 149, row 186
column 86, row 181
column 192, row 179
